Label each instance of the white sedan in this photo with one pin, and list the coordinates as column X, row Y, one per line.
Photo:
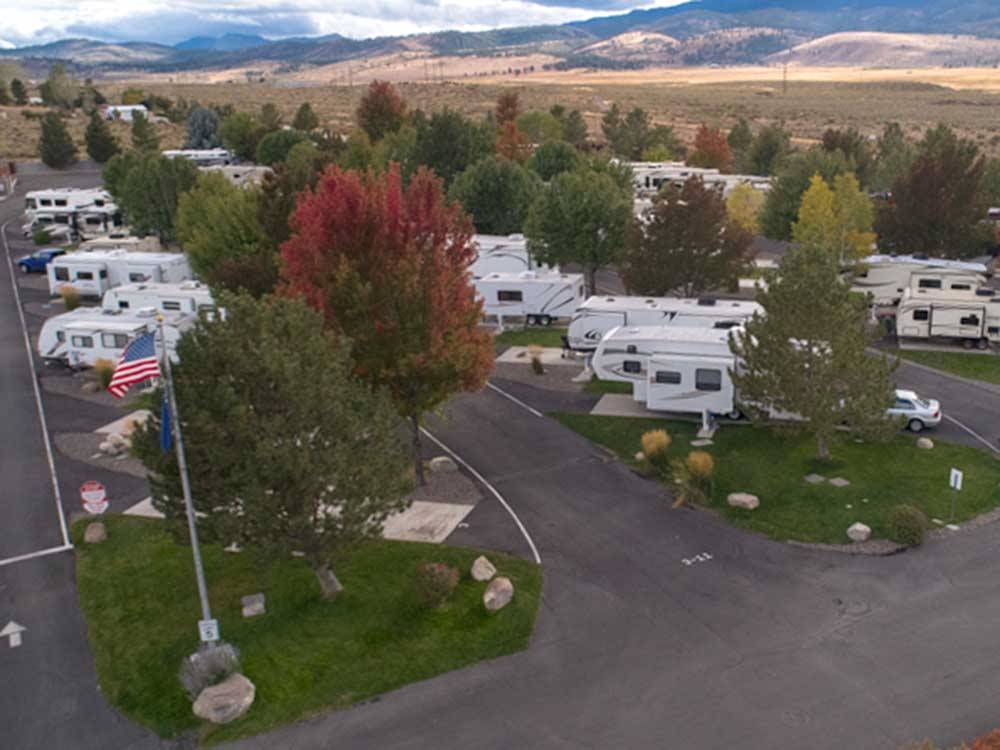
column 919, row 413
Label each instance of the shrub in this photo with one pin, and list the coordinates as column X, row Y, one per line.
column 535, row 352
column 655, row 447
column 989, row 741
column 906, row 525
column 104, row 369
column 700, row 464
column 435, row 583
column 693, row 479
column 41, row 237
column 208, row 666
column 70, row 297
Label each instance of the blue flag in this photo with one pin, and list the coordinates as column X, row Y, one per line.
column 166, row 435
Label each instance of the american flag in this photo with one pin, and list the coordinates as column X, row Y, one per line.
column 137, row 363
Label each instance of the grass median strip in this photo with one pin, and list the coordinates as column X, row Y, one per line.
column 771, row 463
column 537, row 335
column 305, row 655
column 984, row 367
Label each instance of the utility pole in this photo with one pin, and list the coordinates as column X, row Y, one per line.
column 208, row 627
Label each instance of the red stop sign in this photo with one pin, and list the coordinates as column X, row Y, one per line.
column 94, row 497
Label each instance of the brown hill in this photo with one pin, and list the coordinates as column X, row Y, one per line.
column 875, row 49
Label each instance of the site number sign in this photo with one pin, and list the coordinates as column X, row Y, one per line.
column 94, row 497
column 955, row 481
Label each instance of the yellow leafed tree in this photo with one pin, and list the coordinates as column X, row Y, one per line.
column 838, row 220
column 743, row 207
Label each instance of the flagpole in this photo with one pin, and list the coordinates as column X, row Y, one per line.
column 175, row 424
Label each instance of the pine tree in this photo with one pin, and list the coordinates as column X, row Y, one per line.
column 101, row 144
column 19, row 92
column 203, row 129
column 55, row 147
column 740, row 141
column 305, row 119
column 508, row 108
column 144, row 135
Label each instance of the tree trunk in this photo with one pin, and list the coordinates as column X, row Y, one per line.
column 822, row 448
column 329, row 586
column 592, row 280
column 418, row 463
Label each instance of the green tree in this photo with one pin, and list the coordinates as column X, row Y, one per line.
column 540, row 127
column 552, row 159
column 808, row 353
column 19, row 91
column 358, row 154
column 687, row 245
column 743, row 207
column 203, row 129
column 781, row 207
column 740, row 140
column 768, row 151
column 133, row 96
column 631, row 135
column 5, row 98
column 305, row 119
column 55, row 147
column 381, row 110
column 101, row 144
column 148, row 186
column 894, row 156
column 305, row 162
column 144, row 135
column 274, row 146
column 855, row 148
column 240, row 133
column 399, row 147
column 449, row 143
column 581, row 218
column 270, row 118
column 59, row 89
column 497, row 193
column 288, row 452
column 219, row 229
column 573, row 125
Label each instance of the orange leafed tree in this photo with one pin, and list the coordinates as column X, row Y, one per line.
column 508, row 108
column 512, row 144
column 711, row 150
column 388, row 267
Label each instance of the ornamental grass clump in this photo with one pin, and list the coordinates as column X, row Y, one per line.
column 104, row 369
column 655, row 450
column 693, row 478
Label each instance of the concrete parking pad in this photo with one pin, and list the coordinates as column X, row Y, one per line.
column 622, row 405
column 549, row 356
column 425, row 522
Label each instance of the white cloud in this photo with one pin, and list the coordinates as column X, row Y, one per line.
column 170, row 21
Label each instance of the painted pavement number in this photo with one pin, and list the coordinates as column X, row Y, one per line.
column 700, row 558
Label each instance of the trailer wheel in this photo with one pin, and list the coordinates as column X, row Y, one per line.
column 915, row 425
column 968, row 343
column 545, row 320
column 530, row 320
column 735, row 415
column 983, row 344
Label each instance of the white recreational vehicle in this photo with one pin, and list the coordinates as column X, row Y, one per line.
column 81, row 337
column 971, row 317
column 498, row 254
column 124, row 242
column 189, row 297
column 124, row 112
column 598, row 315
column 93, row 273
column 886, row 277
column 649, row 177
column 243, row 175
column 537, row 296
column 65, row 199
column 672, row 368
column 207, row 157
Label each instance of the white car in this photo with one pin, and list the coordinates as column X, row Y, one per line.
column 919, row 413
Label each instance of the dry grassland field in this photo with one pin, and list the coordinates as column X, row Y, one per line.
column 812, row 99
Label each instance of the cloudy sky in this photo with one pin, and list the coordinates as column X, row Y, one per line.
column 169, row 21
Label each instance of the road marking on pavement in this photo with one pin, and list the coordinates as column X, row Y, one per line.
column 34, row 385
column 491, row 488
column 33, row 555
column 974, row 434
column 13, row 633
column 700, row 558
column 516, row 400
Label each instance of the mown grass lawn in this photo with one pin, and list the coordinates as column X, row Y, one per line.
column 305, row 655
column 985, row 367
column 539, row 335
column 771, row 463
column 602, row 387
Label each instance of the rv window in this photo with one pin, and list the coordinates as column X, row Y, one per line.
column 103, row 274
column 632, row 366
column 83, row 342
column 61, row 219
column 667, row 377
column 61, row 336
column 708, row 380
column 138, row 277
column 123, row 304
column 630, row 349
column 62, row 274
column 45, row 202
column 99, row 202
column 861, row 274
column 60, row 201
column 85, row 275
column 509, row 296
column 171, row 305
column 114, row 340
column 923, row 314
column 961, row 287
column 929, row 283
column 969, row 320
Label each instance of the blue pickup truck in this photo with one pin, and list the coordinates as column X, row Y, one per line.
column 38, row 260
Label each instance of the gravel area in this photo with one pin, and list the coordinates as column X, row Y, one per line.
column 556, row 377
column 83, row 446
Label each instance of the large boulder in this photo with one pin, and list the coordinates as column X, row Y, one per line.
column 743, row 500
column 483, row 569
column 858, row 532
column 225, row 702
column 925, row 443
column 443, row 464
column 498, row 594
column 95, row 533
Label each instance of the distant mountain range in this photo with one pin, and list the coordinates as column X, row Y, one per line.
column 705, row 32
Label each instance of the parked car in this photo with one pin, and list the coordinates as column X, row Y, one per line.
column 919, row 413
column 39, row 260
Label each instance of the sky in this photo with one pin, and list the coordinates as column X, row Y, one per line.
column 170, row 21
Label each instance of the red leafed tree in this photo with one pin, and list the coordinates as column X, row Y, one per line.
column 381, row 110
column 512, row 144
column 508, row 108
column 989, row 741
column 711, row 150
column 388, row 267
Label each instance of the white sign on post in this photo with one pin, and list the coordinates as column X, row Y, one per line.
column 209, row 630
column 955, row 480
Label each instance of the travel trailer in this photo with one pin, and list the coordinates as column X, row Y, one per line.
column 498, row 254
column 189, row 297
column 598, row 315
column 81, row 337
column 886, row 277
column 208, row 157
column 969, row 317
column 672, row 368
column 537, row 296
column 93, row 273
column 649, row 177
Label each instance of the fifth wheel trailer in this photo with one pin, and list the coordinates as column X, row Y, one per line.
column 502, row 254
column 886, row 277
column 190, row 297
column 971, row 318
column 537, row 296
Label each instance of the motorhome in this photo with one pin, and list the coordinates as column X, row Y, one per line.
column 598, row 315
column 81, row 337
column 499, row 254
column 886, row 277
column 538, row 296
column 672, row 368
column 185, row 297
column 969, row 317
column 92, row 274
column 208, row 157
